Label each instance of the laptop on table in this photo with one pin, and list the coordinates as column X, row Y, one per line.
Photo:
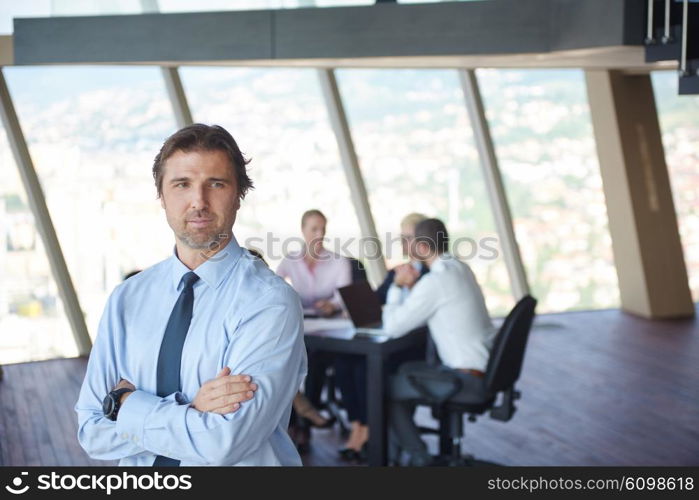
column 363, row 308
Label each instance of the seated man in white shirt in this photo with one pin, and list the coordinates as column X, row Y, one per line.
column 450, row 302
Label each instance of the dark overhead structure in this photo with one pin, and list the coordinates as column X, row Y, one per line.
column 499, row 33
column 672, row 33
column 501, row 27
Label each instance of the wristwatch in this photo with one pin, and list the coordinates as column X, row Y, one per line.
column 112, row 402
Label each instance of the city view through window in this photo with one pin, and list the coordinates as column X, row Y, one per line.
column 93, row 133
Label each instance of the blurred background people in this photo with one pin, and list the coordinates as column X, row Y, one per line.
column 315, row 273
column 351, row 369
column 450, row 301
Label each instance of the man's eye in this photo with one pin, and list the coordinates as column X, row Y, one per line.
column 181, row 185
column 217, row 184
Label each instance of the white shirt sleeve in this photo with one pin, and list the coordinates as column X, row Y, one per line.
column 401, row 315
column 395, row 295
column 96, row 433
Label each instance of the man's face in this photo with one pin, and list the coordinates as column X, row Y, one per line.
column 200, row 197
column 419, row 250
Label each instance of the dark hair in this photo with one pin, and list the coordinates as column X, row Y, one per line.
column 200, row 137
column 257, row 254
column 131, row 273
column 434, row 233
column 311, row 213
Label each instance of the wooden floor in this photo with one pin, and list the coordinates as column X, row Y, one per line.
column 598, row 388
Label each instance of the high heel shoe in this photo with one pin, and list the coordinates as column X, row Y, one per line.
column 349, row 454
column 363, row 454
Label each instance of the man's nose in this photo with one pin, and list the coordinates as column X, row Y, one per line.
column 199, row 199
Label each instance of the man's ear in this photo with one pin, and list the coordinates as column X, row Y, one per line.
column 162, row 201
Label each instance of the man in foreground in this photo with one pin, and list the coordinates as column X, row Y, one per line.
column 206, row 312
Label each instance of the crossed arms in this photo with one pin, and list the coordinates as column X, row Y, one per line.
column 209, row 430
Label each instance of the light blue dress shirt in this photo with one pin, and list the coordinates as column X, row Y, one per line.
column 244, row 317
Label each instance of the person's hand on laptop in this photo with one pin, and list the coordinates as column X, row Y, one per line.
column 406, row 275
column 325, row 308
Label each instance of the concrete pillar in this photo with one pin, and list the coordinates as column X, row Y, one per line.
column 648, row 254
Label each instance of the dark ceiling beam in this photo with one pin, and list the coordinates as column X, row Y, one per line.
column 377, row 31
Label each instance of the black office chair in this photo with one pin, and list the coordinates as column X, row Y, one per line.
column 502, row 372
column 332, row 404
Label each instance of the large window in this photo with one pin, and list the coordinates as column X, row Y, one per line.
column 543, row 136
column 33, row 325
column 679, row 121
column 93, row 134
column 413, row 139
column 46, row 8
column 280, row 121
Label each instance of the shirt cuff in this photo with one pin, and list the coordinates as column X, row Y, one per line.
column 131, row 420
column 394, row 295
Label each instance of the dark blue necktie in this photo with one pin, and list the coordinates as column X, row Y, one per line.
column 170, row 356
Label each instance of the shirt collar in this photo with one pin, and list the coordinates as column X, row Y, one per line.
column 440, row 262
column 213, row 271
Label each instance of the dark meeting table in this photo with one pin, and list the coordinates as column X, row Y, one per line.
column 338, row 336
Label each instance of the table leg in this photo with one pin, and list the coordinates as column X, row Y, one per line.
column 376, row 410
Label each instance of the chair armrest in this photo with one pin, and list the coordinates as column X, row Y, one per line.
column 507, row 408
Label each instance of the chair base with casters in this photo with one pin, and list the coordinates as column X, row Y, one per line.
column 502, row 372
column 451, row 427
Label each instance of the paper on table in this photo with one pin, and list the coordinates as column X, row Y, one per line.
column 310, row 312
column 317, row 324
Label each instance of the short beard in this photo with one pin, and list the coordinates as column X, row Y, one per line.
column 212, row 243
